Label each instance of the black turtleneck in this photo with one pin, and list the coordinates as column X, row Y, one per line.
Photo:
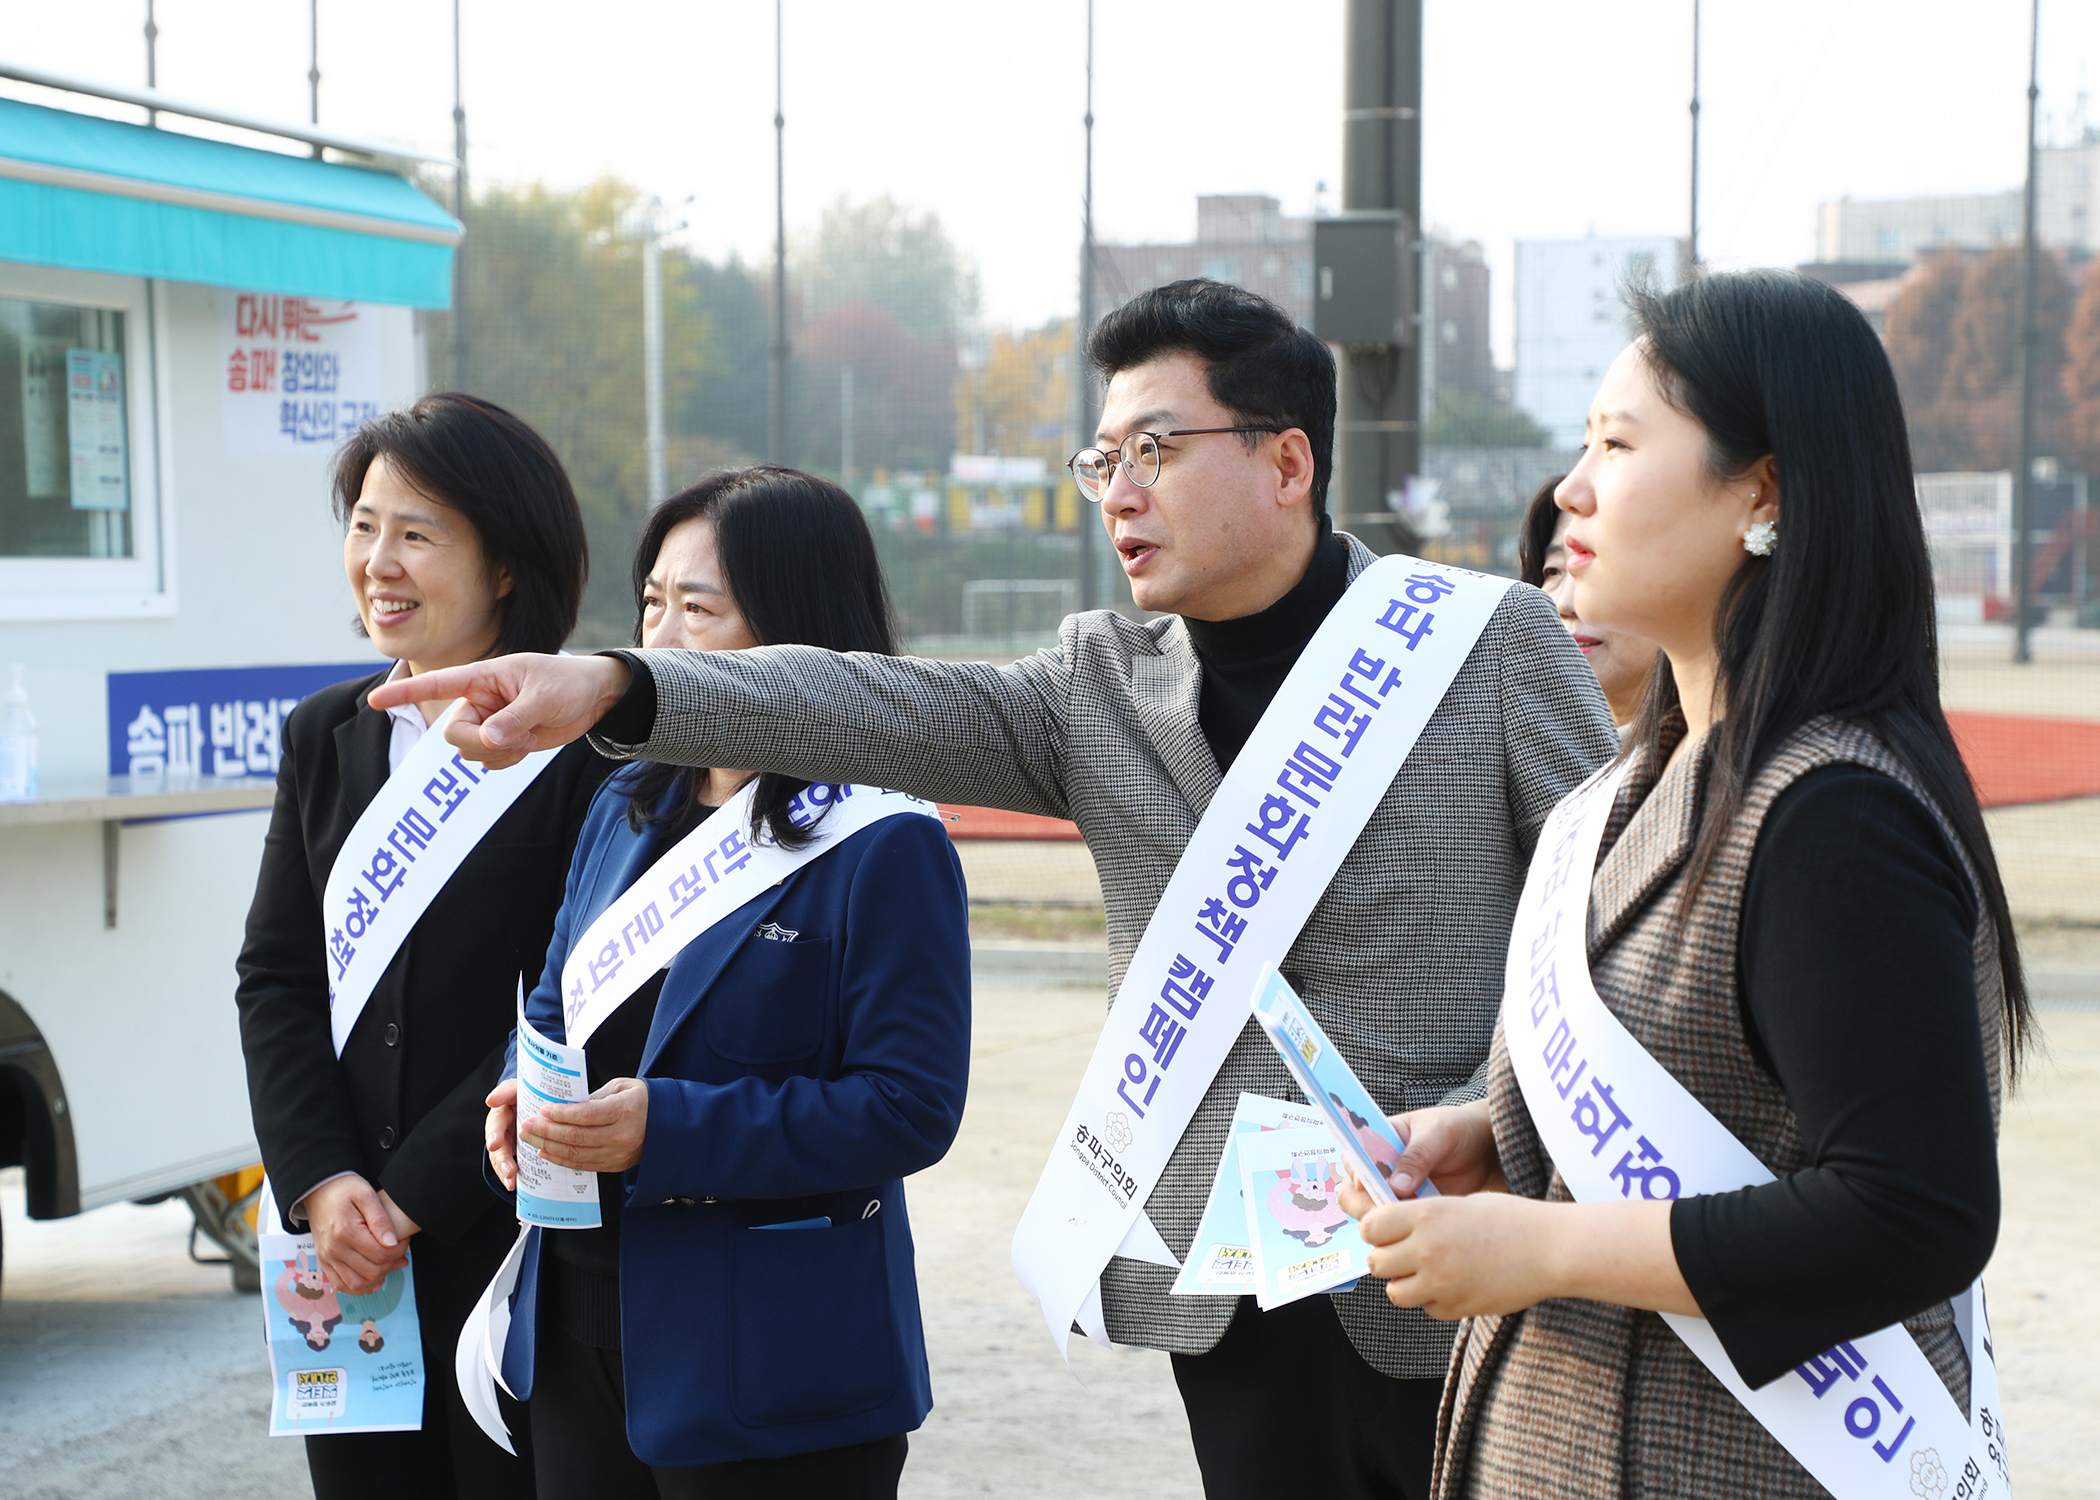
column 1246, row 660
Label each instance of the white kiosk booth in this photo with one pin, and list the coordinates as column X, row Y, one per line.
column 188, row 330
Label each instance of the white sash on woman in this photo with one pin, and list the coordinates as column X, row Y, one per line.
column 705, row 876
column 1869, row 1417
column 423, row 823
column 421, row 826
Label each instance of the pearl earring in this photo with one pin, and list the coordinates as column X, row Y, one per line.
column 1761, row 540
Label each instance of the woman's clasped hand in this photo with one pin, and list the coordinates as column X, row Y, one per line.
column 1476, row 1250
column 603, row 1133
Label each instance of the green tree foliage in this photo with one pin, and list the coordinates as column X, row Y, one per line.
column 882, row 254
column 1463, row 420
column 552, row 299
column 552, row 305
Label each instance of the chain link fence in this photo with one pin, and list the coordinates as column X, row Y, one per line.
column 953, row 434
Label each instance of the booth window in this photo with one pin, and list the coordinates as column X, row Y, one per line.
column 65, row 432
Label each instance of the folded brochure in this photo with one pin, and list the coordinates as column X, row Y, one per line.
column 1291, row 1187
column 1221, row 1259
column 1360, row 1128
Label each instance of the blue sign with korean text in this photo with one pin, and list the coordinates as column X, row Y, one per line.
column 210, row 721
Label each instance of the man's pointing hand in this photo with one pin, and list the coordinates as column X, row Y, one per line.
column 516, row 704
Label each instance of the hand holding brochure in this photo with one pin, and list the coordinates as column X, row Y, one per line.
column 1367, row 1138
column 1291, row 1182
column 550, row 1073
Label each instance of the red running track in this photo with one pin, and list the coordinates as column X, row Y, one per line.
column 2013, row 758
column 2017, row 759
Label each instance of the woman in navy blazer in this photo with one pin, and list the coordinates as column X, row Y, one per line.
column 749, row 1313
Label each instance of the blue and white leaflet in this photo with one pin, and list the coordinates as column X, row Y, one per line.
column 1221, row 1258
column 338, row 1363
column 1366, row 1136
column 1291, row 1184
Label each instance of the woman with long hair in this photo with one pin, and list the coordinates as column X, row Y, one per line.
column 1623, row 663
column 802, row 1053
column 1764, row 990
column 371, row 1041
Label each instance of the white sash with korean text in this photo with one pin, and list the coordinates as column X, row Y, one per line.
column 1280, row 824
column 1869, row 1417
column 694, row 884
column 425, row 821
column 698, row 881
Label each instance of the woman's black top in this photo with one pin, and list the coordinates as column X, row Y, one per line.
column 1858, row 994
column 583, row 1272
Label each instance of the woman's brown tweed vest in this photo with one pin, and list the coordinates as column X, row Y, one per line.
column 1583, row 1399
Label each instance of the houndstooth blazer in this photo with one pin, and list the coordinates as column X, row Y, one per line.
column 1402, row 959
column 1584, row 1398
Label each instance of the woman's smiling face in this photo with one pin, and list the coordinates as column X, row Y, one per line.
column 424, row 589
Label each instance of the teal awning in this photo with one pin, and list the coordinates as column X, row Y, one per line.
column 100, row 195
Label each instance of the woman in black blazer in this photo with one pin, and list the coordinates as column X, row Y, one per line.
column 463, row 539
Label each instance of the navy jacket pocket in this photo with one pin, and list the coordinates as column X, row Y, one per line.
column 769, row 1004
column 811, row 1328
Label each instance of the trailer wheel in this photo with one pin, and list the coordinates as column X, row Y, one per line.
column 224, row 1213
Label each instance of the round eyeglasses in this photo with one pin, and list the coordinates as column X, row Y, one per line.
column 1093, row 468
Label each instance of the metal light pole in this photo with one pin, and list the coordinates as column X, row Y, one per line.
column 1378, row 434
column 1692, row 242
column 1086, row 413
column 459, row 212
column 647, row 223
column 152, row 80
column 2023, row 482
column 846, row 425
column 653, row 355
column 313, row 64
column 776, row 416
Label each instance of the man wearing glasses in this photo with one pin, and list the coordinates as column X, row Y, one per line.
column 1211, row 470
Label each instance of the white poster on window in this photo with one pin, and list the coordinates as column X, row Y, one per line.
column 44, row 460
column 95, row 429
column 299, row 374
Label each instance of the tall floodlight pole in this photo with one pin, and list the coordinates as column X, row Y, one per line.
column 1085, row 412
column 459, row 212
column 648, row 223
column 846, row 425
column 1692, row 241
column 776, row 416
column 313, row 64
column 152, row 77
column 2023, row 482
column 653, row 349
column 1378, row 434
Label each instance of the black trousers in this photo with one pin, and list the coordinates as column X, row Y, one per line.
column 1284, row 1405
column 580, row 1448
column 451, row 1458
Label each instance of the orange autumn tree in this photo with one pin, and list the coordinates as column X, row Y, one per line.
column 2081, row 379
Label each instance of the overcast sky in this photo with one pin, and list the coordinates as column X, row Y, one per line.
column 1542, row 118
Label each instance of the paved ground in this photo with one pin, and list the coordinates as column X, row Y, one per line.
column 127, row 1371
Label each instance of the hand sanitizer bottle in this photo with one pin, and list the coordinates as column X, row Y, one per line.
column 17, row 745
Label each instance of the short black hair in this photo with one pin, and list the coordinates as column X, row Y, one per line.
column 802, row 569
column 1263, row 367
column 1535, row 539
column 490, row 466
